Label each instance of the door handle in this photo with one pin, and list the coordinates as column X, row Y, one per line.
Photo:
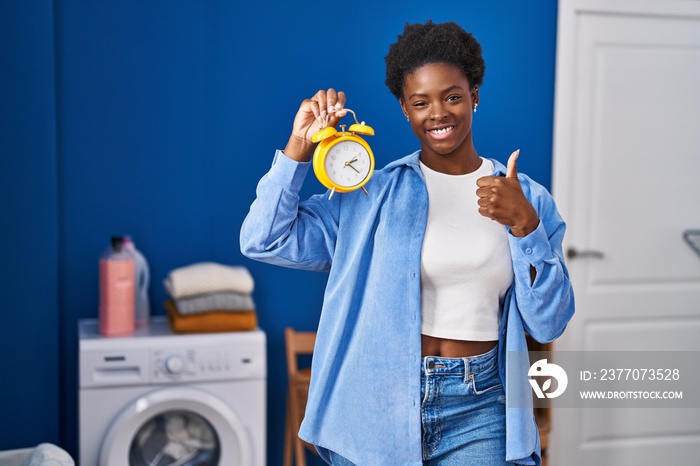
column 573, row 253
column 692, row 237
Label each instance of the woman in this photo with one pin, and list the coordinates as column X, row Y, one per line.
column 434, row 277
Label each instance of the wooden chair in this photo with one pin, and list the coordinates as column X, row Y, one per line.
column 543, row 415
column 297, row 344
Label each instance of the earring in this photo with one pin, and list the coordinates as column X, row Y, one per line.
column 475, row 105
column 408, row 118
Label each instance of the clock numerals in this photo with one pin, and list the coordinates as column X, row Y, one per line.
column 347, row 164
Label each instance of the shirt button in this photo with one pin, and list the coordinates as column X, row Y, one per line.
column 528, row 251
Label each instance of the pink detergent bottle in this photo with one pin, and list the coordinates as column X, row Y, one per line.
column 117, row 288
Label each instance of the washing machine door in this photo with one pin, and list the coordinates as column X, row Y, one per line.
column 177, row 426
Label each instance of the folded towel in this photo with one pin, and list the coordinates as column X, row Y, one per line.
column 208, row 277
column 223, row 301
column 214, row 321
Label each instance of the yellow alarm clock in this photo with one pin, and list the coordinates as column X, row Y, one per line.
column 343, row 161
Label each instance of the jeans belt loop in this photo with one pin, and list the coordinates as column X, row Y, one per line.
column 466, row 369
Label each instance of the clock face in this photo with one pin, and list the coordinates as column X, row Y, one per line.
column 348, row 164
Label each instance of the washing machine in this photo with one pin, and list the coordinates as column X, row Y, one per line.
column 156, row 398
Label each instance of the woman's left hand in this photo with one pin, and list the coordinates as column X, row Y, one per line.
column 502, row 199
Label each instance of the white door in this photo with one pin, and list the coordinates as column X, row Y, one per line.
column 627, row 181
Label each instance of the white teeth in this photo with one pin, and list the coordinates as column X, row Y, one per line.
column 441, row 131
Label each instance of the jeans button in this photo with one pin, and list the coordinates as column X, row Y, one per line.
column 431, row 364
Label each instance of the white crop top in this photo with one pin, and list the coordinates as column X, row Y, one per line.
column 466, row 266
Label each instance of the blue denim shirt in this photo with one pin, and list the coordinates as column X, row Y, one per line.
column 364, row 401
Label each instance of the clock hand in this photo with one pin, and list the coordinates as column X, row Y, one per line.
column 350, row 162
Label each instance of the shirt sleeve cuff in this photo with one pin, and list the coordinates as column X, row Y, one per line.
column 534, row 247
column 288, row 172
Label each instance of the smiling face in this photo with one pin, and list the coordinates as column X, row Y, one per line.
column 439, row 102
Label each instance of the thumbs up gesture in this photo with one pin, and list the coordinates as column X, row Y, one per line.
column 502, row 199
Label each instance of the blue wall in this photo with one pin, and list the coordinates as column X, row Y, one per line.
column 29, row 298
column 157, row 119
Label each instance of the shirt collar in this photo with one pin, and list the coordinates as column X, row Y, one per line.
column 413, row 161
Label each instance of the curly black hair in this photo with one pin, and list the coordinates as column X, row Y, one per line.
column 421, row 44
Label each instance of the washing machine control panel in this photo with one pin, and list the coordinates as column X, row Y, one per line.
column 203, row 363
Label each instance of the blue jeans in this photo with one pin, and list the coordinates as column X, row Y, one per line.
column 463, row 412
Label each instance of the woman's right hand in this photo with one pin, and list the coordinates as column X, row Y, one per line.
column 310, row 118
